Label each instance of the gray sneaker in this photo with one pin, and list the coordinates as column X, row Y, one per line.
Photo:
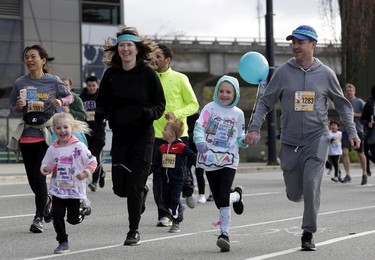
column 175, row 228
column 62, row 248
column 191, row 201
column 37, row 225
column 223, row 242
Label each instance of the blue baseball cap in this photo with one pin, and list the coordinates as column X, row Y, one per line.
column 304, row 32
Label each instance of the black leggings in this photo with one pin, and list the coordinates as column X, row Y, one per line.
column 33, row 154
column 131, row 151
column 96, row 142
column 220, row 184
column 199, row 173
column 59, row 207
column 334, row 159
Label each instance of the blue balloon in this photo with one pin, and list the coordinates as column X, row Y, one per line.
column 253, row 67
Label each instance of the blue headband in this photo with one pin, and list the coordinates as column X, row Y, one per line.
column 127, row 37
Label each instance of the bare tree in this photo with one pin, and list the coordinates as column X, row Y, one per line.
column 356, row 30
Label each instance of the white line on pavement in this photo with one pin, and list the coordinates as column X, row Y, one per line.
column 284, row 252
column 17, row 216
column 16, row 195
column 324, row 243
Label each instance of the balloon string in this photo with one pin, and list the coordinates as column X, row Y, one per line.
column 255, row 105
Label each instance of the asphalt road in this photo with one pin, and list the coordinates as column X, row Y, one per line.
column 269, row 228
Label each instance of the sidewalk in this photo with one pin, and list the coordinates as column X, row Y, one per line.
column 14, row 173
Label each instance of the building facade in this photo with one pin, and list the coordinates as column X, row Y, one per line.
column 67, row 29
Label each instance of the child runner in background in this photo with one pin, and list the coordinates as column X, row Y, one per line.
column 218, row 134
column 171, row 161
column 71, row 164
column 335, row 150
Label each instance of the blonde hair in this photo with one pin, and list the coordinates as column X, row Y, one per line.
column 76, row 125
column 350, row 85
column 177, row 127
column 69, row 80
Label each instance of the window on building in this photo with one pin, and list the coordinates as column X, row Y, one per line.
column 103, row 12
column 11, row 46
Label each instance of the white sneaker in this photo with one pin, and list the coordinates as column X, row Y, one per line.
column 201, row 199
column 164, row 222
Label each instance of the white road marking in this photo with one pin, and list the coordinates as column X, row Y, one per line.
column 324, row 243
column 16, row 195
column 284, row 252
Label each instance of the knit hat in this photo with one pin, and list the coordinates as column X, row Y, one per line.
column 304, row 32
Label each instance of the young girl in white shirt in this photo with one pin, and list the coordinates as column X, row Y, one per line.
column 71, row 163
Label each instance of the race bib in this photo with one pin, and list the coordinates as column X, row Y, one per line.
column 90, row 115
column 169, row 160
column 35, row 106
column 304, row 101
column 64, row 177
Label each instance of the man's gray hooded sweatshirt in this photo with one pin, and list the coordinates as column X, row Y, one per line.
column 300, row 128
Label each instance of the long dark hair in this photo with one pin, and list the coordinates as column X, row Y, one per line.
column 42, row 53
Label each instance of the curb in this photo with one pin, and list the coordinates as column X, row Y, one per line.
column 14, row 173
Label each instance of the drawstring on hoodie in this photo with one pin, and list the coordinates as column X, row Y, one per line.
column 295, row 150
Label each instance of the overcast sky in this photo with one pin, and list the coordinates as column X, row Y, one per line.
column 225, row 18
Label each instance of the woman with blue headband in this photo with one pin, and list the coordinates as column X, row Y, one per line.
column 131, row 97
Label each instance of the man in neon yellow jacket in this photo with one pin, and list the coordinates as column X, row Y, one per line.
column 181, row 102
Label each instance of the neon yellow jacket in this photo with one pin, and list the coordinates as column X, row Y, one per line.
column 180, row 99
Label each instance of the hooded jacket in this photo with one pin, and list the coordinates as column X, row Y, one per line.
column 222, row 128
column 131, row 100
column 287, row 85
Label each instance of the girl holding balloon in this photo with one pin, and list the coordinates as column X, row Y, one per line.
column 218, row 134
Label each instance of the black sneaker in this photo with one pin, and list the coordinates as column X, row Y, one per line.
column 132, row 238
column 145, row 192
column 102, row 179
column 307, row 242
column 92, row 186
column 346, row 179
column 223, row 242
column 364, row 180
column 238, row 206
column 210, row 198
column 48, row 212
column 37, row 225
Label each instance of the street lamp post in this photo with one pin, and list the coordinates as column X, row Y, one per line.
column 272, row 160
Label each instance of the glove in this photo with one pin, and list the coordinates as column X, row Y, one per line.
column 202, row 147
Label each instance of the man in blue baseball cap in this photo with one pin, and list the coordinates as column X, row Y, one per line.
column 303, row 85
column 304, row 32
